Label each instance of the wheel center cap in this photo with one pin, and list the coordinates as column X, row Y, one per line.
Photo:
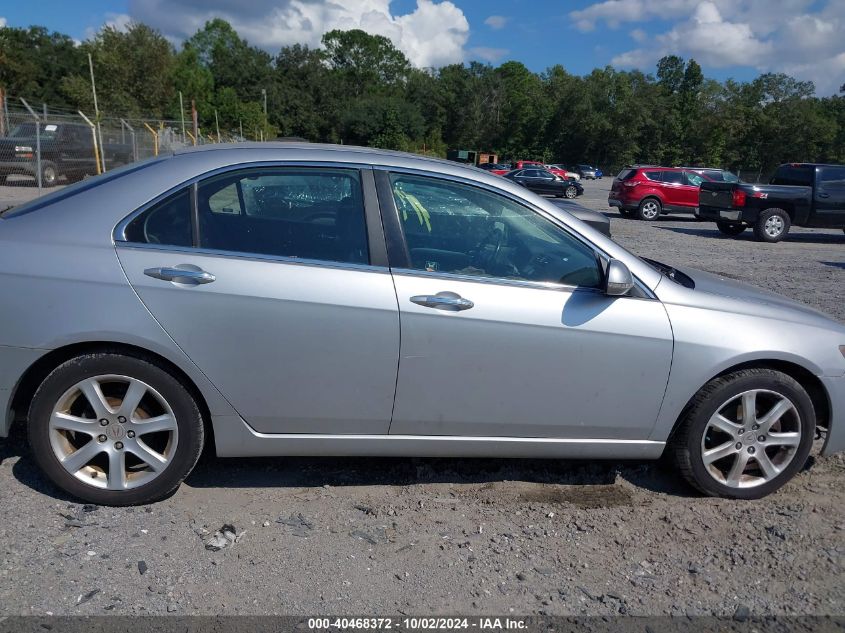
column 750, row 438
column 116, row 431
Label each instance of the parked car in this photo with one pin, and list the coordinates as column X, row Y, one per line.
column 67, row 149
column 544, row 182
column 260, row 292
column 585, row 171
column 599, row 174
column 560, row 170
column 647, row 192
column 599, row 221
column 500, row 169
column 522, row 164
column 489, row 166
column 799, row 194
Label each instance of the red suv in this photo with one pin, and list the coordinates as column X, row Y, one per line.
column 646, row 192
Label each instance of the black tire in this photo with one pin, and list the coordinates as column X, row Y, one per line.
column 686, row 444
column 188, row 421
column 49, row 174
column 768, row 223
column 649, row 209
column 727, row 228
column 571, row 192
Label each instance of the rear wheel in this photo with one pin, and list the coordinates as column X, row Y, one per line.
column 730, row 229
column 649, row 209
column 49, row 175
column 745, row 434
column 772, row 225
column 114, row 429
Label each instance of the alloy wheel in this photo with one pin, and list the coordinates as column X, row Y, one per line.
column 774, row 226
column 113, row 432
column 751, row 438
column 650, row 210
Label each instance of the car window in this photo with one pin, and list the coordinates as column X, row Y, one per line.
column 673, row 177
column 653, row 175
column 167, row 222
column 793, row 175
column 306, row 213
column 832, row 177
column 455, row 228
column 626, row 174
column 693, row 179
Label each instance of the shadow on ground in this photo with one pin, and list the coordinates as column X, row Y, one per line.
column 807, row 238
column 305, row 472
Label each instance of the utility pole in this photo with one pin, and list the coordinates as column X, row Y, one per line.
column 195, row 121
column 182, row 115
column 264, row 94
column 97, row 113
column 37, row 144
column 217, row 125
column 2, row 114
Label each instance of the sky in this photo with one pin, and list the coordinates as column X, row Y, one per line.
column 729, row 38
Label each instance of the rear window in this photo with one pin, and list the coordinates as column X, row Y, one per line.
column 796, row 175
column 626, row 174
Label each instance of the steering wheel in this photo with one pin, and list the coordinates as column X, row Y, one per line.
column 487, row 250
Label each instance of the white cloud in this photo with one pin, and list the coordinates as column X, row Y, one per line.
column 496, row 22
column 798, row 37
column 2, row 22
column 434, row 34
column 488, row 54
column 117, row 21
column 639, row 35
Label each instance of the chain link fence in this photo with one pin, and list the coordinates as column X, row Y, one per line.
column 54, row 146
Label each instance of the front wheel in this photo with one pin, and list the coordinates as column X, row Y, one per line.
column 570, row 192
column 727, row 228
column 649, row 209
column 745, row 434
column 772, row 225
column 113, row 429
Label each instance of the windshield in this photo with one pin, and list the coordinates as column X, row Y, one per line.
column 27, row 130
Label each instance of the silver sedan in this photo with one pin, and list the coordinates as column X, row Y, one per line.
column 319, row 300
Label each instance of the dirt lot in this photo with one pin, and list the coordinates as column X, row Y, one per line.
column 423, row 536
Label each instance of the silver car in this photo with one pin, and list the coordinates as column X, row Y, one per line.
column 319, row 300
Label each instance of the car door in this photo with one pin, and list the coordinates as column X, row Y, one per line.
column 829, row 196
column 673, row 185
column 279, row 291
column 505, row 332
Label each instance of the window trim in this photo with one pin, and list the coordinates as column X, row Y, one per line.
column 377, row 250
column 400, row 262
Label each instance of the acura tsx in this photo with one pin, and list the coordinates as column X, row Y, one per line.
column 298, row 299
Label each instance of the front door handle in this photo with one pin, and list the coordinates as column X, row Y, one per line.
column 824, row 195
column 449, row 301
column 183, row 274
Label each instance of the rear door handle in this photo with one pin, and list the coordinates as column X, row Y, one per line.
column 449, row 301
column 824, row 195
column 184, row 274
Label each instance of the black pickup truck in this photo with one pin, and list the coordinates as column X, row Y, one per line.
column 799, row 194
column 67, row 149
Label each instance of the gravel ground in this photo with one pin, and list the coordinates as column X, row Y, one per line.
column 424, row 536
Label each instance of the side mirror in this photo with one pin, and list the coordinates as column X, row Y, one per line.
column 619, row 280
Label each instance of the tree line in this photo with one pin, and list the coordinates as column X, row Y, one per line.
column 360, row 89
